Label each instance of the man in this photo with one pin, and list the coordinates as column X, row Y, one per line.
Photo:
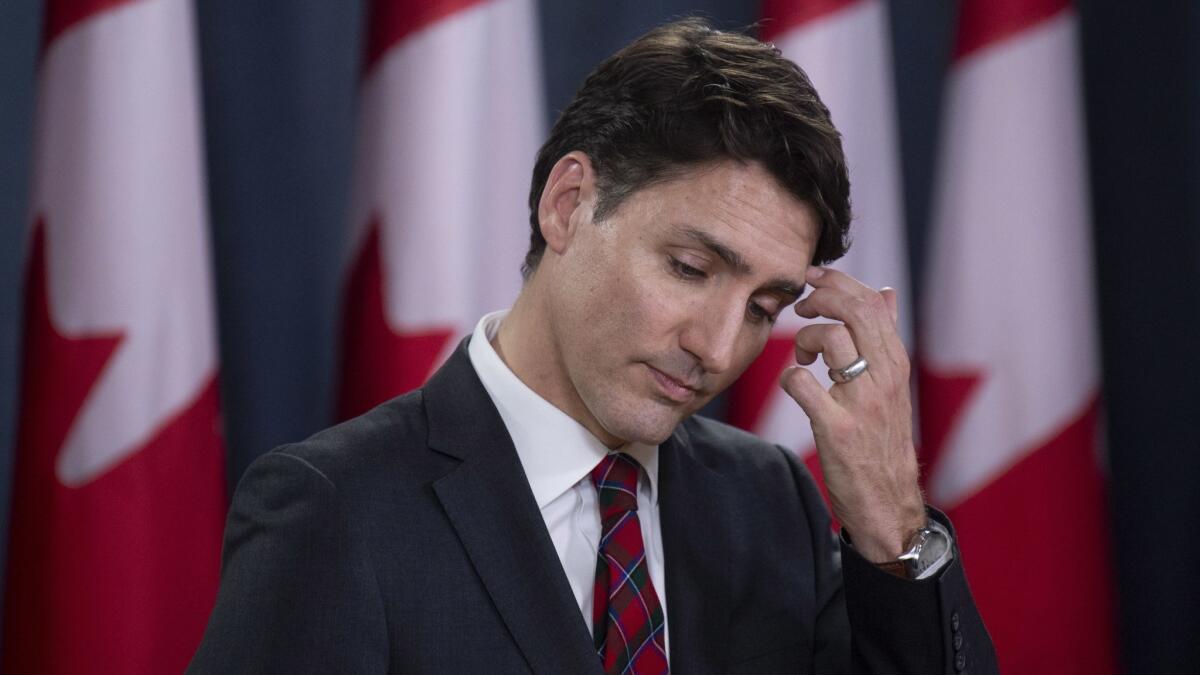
column 548, row 503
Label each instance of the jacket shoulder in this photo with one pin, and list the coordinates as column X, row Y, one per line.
column 391, row 434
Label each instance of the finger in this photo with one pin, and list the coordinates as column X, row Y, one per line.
column 865, row 323
column 828, row 277
column 831, row 340
column 805, row 357
column 846, row 299
column 866, row 312
column 893, row 302
column 804, row 388
column 875, row 339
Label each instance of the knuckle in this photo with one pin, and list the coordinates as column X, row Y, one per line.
column 860, row 307
column 840, row 339
column 807, row 338
column 813, row 299
column 874, row 303
column 876, row 406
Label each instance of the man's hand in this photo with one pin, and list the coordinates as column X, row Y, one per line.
column 863, row 428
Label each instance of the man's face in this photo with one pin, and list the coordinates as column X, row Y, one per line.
column 660, row 307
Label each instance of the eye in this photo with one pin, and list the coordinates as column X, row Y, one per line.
column 758, row 314
column 685, row 270
column 763, row 309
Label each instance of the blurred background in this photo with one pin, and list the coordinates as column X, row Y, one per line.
column 224, row 226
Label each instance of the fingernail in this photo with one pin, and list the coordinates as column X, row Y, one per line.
column 815, row 272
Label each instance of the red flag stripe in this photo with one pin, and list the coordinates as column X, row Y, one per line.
column 782, row 16
column 379, row 362
column 394, row 20
column 63, row 14
column 985, row 22
column 95, row 569
column 944, row 396
column 1044, row 521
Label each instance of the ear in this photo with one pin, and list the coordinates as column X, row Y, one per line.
column 567, row 199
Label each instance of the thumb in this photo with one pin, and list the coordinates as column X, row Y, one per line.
column 803, row 386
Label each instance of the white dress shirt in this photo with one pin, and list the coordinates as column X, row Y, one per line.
column 558, row 455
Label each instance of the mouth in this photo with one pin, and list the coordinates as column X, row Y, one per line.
column 673, row 388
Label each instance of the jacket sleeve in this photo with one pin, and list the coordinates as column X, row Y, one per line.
column 297, row 593
column 869, row 621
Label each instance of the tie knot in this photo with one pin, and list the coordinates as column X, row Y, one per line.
column 616, row 480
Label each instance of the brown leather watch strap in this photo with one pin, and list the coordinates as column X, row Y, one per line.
column 896, row 567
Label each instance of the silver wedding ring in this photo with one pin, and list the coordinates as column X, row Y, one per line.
column 844, row 375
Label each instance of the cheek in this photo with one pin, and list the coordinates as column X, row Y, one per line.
column 611, row 312
column 627, row 287
column 658, row 303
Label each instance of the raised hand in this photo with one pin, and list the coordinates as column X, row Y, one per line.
column 862, row 427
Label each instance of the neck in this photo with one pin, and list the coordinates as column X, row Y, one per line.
column 527, row 345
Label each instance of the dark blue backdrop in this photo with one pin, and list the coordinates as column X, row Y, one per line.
column 279, row 83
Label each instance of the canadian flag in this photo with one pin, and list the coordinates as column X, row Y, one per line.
column 450, row 122
column 844, row 48
column 119, row 497
column 1009, row 366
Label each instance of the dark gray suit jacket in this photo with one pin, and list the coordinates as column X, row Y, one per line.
column 408, row 541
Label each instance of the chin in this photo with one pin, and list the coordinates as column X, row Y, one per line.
column 647, row 422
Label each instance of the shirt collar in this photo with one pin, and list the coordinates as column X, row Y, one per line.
column 556, row 451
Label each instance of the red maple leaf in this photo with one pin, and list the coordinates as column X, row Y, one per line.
column 944, row 397
column 379, row 362
column 1034, row 538
column 122, row 570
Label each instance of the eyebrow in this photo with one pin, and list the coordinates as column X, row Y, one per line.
column 740, row 267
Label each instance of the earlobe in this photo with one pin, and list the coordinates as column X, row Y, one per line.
column 567, row 199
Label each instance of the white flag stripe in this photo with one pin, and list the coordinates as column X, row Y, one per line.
column 450, row 126
column 118, row 179
column 1010, row 286
column 847, row 54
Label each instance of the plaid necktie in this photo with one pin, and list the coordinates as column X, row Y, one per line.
column 628, row 622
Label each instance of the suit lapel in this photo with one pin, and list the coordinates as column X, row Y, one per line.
column 493, row 511
column 695, row 506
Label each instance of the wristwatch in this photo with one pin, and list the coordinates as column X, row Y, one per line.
column 928, row 550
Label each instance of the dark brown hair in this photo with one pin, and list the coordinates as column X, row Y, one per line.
column 685, row 94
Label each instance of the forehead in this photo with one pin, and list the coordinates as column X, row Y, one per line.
column 739, row 204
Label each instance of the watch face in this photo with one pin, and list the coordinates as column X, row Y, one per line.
column 934, row 548
column 931, row 546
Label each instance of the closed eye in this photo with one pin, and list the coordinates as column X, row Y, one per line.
column 685, row 270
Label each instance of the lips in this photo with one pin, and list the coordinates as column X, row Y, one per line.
column 673, row 388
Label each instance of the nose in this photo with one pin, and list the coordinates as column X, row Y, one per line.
column 711, row 335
